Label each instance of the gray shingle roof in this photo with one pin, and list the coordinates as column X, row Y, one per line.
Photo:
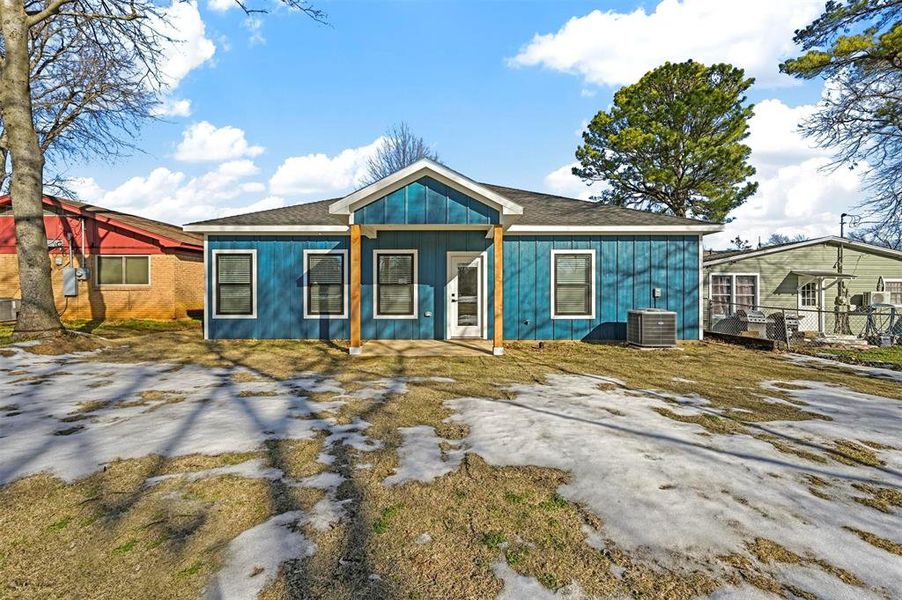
column 548, row 209
column 538, row 209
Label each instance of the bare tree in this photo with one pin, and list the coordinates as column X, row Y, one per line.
column 777, row 239
column 77, row 78
column 854, row 46
column 400, row 148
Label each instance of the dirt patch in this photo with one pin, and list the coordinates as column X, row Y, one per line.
column 67, row 343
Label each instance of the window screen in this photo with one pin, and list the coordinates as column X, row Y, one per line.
column 746, row 292
column 573, row 284
column 325, row 284
column 123, row 270
column 234, row 284
column 394, row 284
column 895, row 291
column 808, row 295
column 721, row 294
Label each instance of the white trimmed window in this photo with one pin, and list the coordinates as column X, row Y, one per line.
column 395, row 277
column 730, row 292
column 808, row 295
column 123, row 270
column 894, row 288
column 572, row 284
column 325, row 284
column 235, row 284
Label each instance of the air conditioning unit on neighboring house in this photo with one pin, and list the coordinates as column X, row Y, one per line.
column 872, row 298
column 651, row 327
column 9, row 309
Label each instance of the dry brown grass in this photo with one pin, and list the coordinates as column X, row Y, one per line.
column 881, row 498
column 108, row 536
column 168, row 540
column 877, row 541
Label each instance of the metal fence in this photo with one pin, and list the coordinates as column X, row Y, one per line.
column 878, row 325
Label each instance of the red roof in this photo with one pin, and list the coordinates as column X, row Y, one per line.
column 165, row 234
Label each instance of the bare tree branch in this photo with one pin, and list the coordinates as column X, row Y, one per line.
column 400, row 147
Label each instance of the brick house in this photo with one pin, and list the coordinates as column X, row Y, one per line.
column 110, row 265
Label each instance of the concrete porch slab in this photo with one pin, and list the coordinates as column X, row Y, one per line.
column 424, row 348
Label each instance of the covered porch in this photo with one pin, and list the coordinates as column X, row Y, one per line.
column 426, row 291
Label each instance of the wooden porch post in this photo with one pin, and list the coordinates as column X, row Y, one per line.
column 498, row 251
column 355, row 347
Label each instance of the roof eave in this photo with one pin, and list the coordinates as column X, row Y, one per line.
column 700, row 229
column 864, row 246
column 273, row 229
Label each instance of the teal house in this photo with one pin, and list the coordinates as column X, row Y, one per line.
column 428, row 253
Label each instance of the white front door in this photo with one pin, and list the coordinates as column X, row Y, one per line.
column 465, row 295
column 809, row 304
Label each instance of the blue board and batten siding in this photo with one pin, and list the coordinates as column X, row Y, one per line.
column 426, row 202
column 627, row 269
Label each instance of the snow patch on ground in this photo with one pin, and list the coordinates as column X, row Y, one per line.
column 742, row 592
column 73, row 416
column 520, row 587
column 593, row 537
column 673, row 496
column 69, row 416
column 420, row 458
column 808, row 361
column 250, row 469
column 322, row 481
column 252, row 559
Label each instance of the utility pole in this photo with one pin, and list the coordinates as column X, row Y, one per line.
column 841, row 304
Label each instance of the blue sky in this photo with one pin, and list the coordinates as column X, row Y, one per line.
column 283, row 110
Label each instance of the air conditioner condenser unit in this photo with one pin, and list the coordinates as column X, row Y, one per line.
column 651, row 328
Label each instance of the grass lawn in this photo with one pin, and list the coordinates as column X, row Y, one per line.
column 455, row 524
column 891, row 355
column 114, row 329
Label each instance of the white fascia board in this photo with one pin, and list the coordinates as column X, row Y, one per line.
column 271, row 229
column 613, row 229
column 861, row 246
column 419, row 169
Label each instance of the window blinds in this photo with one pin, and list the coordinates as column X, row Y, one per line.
column 573, row 284
column 325, row 284
column 234, row 284
column 394, row 279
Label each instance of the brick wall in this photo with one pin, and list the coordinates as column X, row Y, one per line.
column 189, row 284
column 176, row 287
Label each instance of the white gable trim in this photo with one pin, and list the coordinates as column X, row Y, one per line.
column 830, row 239
column 419, row 169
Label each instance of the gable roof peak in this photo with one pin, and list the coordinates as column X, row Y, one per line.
column 411, row 173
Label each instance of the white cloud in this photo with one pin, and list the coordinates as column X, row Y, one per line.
column 563, row 182
column 255, row 26
column 800, row 198
column 173, row 107
column 319, row 173
column 206, row 142
column 189, row 48
column 221, row 5
column 614, row 48
column 174, row 197
column 797, row 193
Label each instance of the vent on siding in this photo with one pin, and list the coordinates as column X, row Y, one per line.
column 651, row 327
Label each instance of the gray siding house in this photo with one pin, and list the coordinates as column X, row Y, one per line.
column 803, row 276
